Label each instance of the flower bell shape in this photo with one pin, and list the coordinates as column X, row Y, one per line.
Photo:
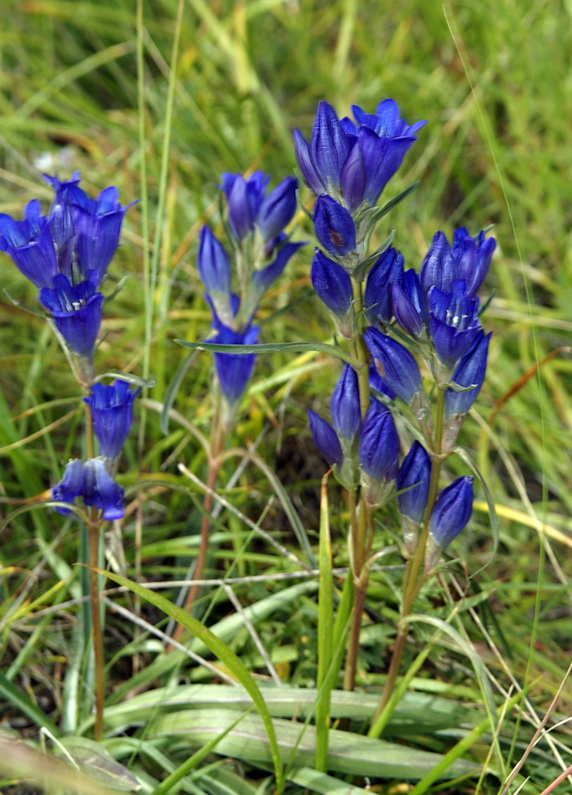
column 395, row 364
column 345, row 405
column 354, row 162
column 76, row 310
column 234, row 369
column 325, row 439
column 468, row 258
column 378, row 444
column 91, row 481
column 451, row 512
column 112, row 414
column 413, row 481
column 454, row 322
column 470, row 371
column 332, row 283
column 79, row 236
column 334, row 227
column 377, row 297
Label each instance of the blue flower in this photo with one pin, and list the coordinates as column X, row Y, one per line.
column 468, row 258
column 80, row 235
column 325, row 439
column 213, row 263
column 112, row 414
column 249, row 207
column 354, row 162
column 378, row 383
column 76, row 310
column 387, row 269
column 394, row 363
column 378, row 444
column 452, row 511
column 334, row 227
column 92, row 482
column 454, row 322
column 234, row 369
column 345, row 404
column 470, row 371
column 413, row 479
column 332, row 284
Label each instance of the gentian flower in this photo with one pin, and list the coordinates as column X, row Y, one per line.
column 378, row 449
column 468, row 258
column 395, row 364
column 452, row 511
column 112, row 414
column 250, row 208
column 413, row 478
column 76, row 310
column 91, row 481
column 78, row 236
column 377, row 297
column 354, row 162
column 334, row 227
column 470, row 371
column 325, row 439
column 380, row 384
column 234, row 369
column 454, row 322
column 345, row 405
column 332, row 284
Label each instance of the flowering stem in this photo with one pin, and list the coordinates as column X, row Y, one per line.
column 412, row 581
column 360, row 516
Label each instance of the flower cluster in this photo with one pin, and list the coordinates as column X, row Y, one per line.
column 261, row 248
column 111, row 409
column 66, row 255
column 375, row 301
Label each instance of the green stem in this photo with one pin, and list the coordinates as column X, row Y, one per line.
column 414, row 577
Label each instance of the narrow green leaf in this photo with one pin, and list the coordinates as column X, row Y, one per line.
column 322, row 783
column 270, row 347
column 222, row 651
column 21, row 702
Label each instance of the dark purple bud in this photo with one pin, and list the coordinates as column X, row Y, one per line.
column 377, row 297
column 112, row 415
column 378, row 443
column 213, row 263
column 234, row 369
column 76, row 311
column 409, row 304
column 329, row 147
column 438, row 267
column 469, row 371
column 345, row 405
column 264, row 278
column 394, row 363
column 332, row 284
column 325, row 439
column 452, row 511
column 473, row 257
column 334, row 227
column 278, row 208
column 413, row 479
column 454, row 323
